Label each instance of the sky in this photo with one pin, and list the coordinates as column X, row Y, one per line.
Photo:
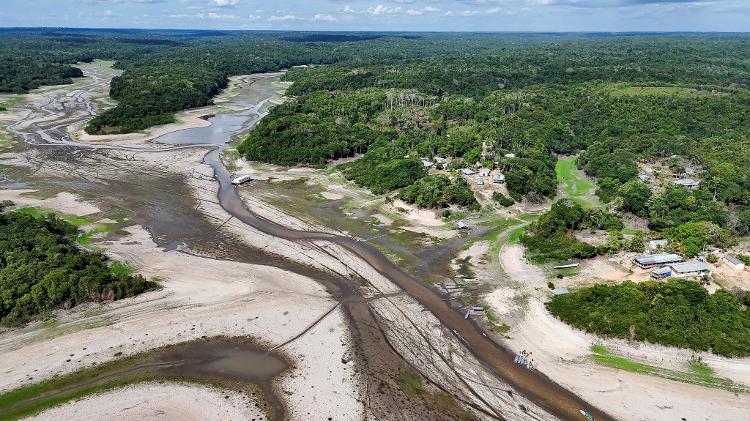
column 386, row 15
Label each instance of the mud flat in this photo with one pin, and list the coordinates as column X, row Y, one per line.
column 200, row 297
column 177, row 197
column 158, row 401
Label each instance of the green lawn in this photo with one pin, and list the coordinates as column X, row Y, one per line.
column 575, row 186
column 122, row 268
column 696, row 373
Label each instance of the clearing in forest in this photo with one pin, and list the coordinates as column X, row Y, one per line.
column 575, row 185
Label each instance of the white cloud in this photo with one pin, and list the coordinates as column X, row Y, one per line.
column 284, row 17
column 224, row 3
column 380, row 10
column 413, row 12
column 212, row 15
column 324, row 18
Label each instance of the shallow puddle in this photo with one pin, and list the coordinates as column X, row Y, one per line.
column 224, row 362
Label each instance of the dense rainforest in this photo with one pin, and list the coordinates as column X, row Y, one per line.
column 42, row 269
column 677, row 103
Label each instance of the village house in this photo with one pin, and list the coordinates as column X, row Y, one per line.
column 652, row 260
column 687, row 182
column 733, row 262
column 690, row 269
column 661, row 273
column 468, row 171
column 499, row 178
column 484, row 172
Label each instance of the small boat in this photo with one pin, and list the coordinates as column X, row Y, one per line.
column 587, row 415
column 241, row 179
column 566, row 266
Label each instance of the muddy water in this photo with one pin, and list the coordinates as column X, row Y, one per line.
column 221, row 130
column 533, row 384
column 220, row 361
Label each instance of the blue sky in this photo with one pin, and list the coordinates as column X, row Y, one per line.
column 390, row 15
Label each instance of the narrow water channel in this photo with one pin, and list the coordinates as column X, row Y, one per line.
column 229, row 365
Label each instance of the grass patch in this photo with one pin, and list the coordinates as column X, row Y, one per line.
column 620, row 90
column 515, row 236
column 566, row 272
column 630, row 231
column 121, row 268
column 76, row 220
column 316, row 197
column 411, row 384
column 87, row 237
column 230, row 156
column 698, row 372
column 494, row 322
column 575, row 186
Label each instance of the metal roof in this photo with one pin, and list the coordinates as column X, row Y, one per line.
column 690, row 267
column 560, row 291
column 733, row 260
column 686, row 182
column 662, row 271
column 657, row 259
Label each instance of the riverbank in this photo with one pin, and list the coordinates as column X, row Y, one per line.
column 565, row 355
column 158, row 401
column 201, row 297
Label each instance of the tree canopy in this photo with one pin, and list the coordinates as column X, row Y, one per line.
column 42, row 269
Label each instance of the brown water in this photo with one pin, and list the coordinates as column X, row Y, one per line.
column 223, row 362
column 534, row 385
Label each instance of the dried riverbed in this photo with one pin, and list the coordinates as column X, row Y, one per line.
column 170, row 192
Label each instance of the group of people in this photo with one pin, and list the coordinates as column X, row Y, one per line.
column 524, row 358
